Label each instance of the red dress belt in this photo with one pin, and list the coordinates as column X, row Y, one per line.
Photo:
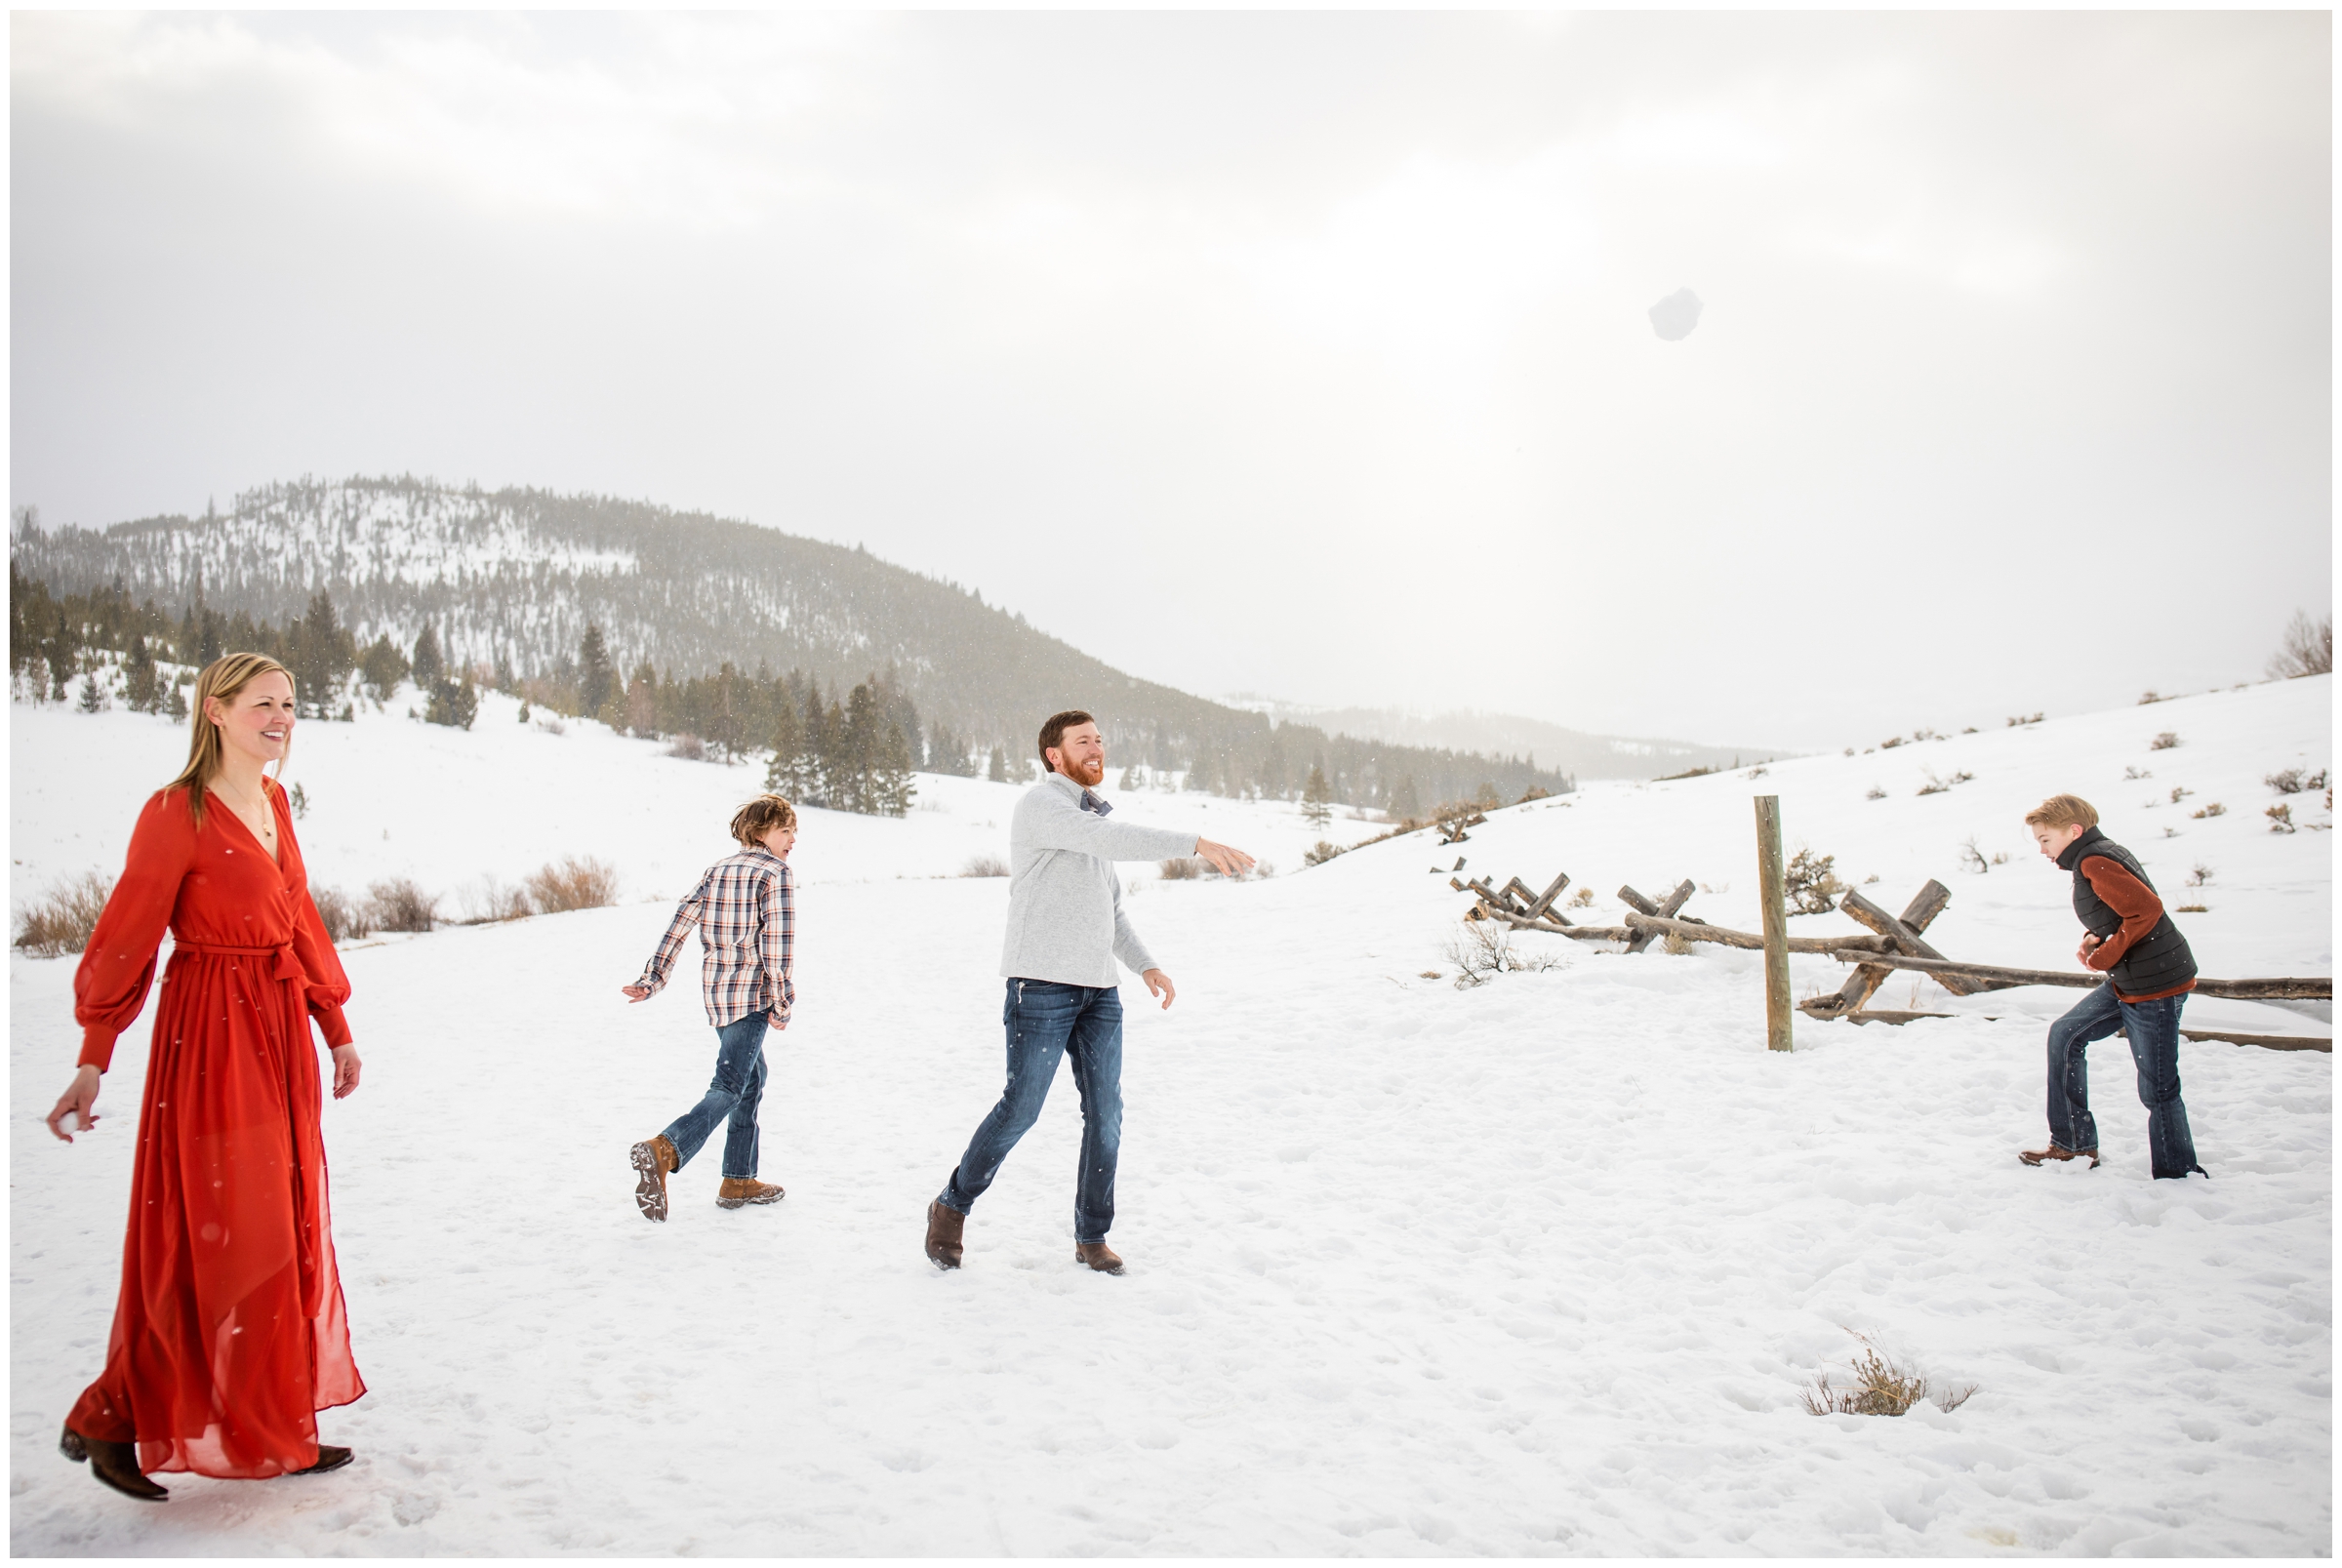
column 288, row 963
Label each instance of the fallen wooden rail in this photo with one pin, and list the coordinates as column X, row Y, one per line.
column 1701, row 930
column 2313, row 987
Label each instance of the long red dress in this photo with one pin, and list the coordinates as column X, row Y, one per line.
column 230, row 1334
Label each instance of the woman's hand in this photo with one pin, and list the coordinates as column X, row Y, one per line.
column 347, row 1068
column 77, row 1101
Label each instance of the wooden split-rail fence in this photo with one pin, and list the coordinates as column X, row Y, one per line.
column 1892, row 943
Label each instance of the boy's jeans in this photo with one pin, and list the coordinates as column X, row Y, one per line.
column 1046, row 1020
column 738, row 1087
column 2154, row 1029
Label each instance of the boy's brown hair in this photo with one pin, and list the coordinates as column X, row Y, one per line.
column 2063, row 811
column 760, row 816
column 1053, row 731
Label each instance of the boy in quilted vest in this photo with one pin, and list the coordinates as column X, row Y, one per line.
column 745, row 910
column 2149, row 972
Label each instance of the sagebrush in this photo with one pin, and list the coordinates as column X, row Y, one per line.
column 60, row 920
column 573, row 882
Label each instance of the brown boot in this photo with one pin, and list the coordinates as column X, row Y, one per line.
column 2043, row 1156
column 1097, row 1255
column 115, row 1464
column 653, row 1160
column 738, row 1190
column 944, row 1227
column 328, row 1458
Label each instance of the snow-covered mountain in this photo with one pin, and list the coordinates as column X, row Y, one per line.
column 511, row 578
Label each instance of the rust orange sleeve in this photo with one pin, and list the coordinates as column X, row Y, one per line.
column 2128, row 897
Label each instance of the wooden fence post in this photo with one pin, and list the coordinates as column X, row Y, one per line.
column 1769, row 877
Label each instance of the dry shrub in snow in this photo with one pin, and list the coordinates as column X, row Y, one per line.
column 1583, row 898
column 2294, row 781
column 2281, row 819
column 2163, row 742
column 492, row 901
column 1880, row 1388
column 985, row 865
column 396, row 904
column 1875, row 793
column 1481, row 950
column 690, row 747
column 1319, row 853
column 60, row 920
column 573, row 883
column 345, row 919
column 2202, row 875
column 2306, row 649
column 2210, row 808
column 1811, row 883
column 1186, row 868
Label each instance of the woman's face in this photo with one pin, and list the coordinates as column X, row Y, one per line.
column 257, row 721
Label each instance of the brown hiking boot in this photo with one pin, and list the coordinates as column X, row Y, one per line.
column 115, row 1464
column 2043, row 1156
column 1097, row 1255
column 740, row 1190
column 328, row 1458
column 653, row 1159
column 943, row 1226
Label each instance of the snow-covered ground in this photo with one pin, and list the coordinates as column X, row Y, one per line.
column 1536, row 1267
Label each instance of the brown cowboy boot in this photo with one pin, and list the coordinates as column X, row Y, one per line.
column 1097, row 1255
column 2043, row 1156
column 653, row 1160
column 328, row 1458
column 945, row 1226
column 114, row 1465
column 744, row 1190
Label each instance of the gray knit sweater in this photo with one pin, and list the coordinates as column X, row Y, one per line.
column 1064, row 902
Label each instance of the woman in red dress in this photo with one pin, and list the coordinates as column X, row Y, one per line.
column 230, row 1334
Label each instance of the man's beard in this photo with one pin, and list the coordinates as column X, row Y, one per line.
column 1089, row 777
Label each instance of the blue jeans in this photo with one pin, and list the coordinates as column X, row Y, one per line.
column 738, row 1087
column 1046, row 1020
column 2154, row 1029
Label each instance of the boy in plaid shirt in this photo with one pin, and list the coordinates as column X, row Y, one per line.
column 745, row 910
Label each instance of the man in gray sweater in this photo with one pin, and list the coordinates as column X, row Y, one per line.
column 1065, row 928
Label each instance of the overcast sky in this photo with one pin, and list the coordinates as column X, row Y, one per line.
column 1305, row 354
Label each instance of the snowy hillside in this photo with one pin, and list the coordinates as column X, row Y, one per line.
column 1537, row 1268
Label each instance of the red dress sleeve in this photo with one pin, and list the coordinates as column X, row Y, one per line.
column 118, row 965
column 329, row 985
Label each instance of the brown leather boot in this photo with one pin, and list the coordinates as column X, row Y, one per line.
column 1097, row 1255
column 653, row 1160
column 944, row 1227
column 328, row 1458
column 738, row 1190
column 114, row 1465
column 2043, row 1156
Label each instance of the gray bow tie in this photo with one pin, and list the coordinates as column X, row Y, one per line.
column 1096, row 803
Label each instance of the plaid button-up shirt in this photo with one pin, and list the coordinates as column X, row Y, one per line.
column 745, row 910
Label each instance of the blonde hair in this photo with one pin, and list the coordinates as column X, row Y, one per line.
column 2063, row 811
column 760, row 816
column 225, row 678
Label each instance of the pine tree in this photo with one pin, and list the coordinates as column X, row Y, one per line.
column 594, row 675
column 177, row 705
column 998, row 773
column 891, row 787
column 783, row 776
column 93, row 701
column 1403, row 802
column 138, row 685
column 382, row 667
column 428, row 663
column 1316, row 797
